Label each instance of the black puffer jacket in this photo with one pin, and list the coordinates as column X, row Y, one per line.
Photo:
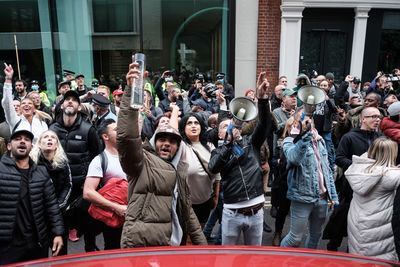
column 355, row 142
column 242, row 177
column 81, row 144
column 45, row 210
column 61, row 178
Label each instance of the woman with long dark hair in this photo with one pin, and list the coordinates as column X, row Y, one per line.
column 204, row 186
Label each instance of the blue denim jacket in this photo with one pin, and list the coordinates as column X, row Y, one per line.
column 302, row 167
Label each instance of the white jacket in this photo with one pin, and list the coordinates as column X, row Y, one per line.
column 369, row 220
column 37, row 127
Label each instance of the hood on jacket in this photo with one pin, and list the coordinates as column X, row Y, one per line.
column 360, row 181
column 302, row 76
column 357, row 111
column 177, row 156
column 387, row 123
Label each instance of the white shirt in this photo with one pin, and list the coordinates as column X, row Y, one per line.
column 113, row 169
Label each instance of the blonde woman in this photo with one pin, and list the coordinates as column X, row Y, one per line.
column 29, row 119
column 49, row 153
column 374, row 178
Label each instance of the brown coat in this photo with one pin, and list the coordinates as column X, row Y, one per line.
column 148, row 220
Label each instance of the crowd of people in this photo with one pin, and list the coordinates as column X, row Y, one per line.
column 165, row 173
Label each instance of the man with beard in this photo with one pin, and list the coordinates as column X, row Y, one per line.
column 20, row 90
column 81, row 144
column 29, row 210
column 117, row 96
column 173, row 97
column 159, row 209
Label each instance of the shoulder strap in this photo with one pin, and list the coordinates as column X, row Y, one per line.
column 104, row 164
column 104, row 161
column 16, row 125
column 201, row 162
column 113, row 110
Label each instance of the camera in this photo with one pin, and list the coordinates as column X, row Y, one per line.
column 392, row 78
column 199, row 76
column 356, row 80
column 169, row 73
column 210, row 90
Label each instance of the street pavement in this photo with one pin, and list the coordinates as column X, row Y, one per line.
column 78, row 247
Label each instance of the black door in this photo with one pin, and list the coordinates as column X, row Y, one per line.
column 326, row 40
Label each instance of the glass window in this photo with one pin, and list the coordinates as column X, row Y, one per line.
column 184, row 36
column 19, row 16
column 114, row 16
column 389, row 53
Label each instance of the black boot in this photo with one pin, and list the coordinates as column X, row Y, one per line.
column 276, row 241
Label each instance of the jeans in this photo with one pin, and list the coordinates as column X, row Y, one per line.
column 315, row 213
column 233, row 223
column 330, row 148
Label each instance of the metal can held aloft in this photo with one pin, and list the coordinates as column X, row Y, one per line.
column 138, row 84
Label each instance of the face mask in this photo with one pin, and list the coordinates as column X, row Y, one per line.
column 92, row 109
column 220, row 80
column 168, row 79
column 35, row 87
column 294, row 130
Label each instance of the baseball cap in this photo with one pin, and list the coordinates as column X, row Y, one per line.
column 169, row 130
column 200, row 102
column 394, row 109
column 22, row 131
column 118, row 92
column 72, row 93
column 248, row 91
column 62, row 83
column 288, row 92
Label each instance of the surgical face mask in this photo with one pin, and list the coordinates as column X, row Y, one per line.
column 220, row 80
column 168, row 79
column 35, row 87
column 92, row 109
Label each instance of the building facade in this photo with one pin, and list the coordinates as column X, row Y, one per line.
column 238, row 37
column 358, row 37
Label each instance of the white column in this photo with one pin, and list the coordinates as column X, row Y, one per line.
column 246, row 45
column 360, row 31
column 289, row 57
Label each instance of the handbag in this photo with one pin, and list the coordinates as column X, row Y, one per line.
column 115, row 190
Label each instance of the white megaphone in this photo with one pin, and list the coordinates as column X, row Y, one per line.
column 243, row 109
column 311, row 96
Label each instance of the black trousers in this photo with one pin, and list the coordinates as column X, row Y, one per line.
column 283, row 208
column 112, row 236
column 28, row 251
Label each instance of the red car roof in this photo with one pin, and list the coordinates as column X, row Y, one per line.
column 209, row 256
